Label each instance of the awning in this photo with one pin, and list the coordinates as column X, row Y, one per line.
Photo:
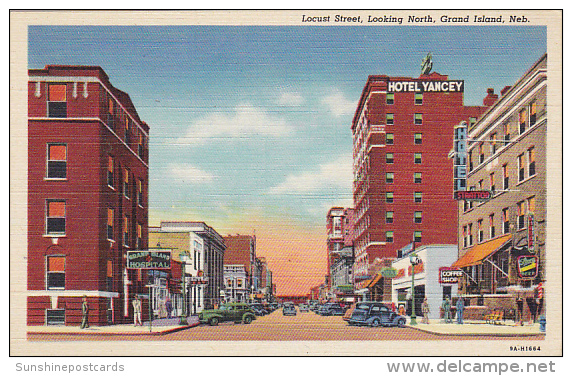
column 374, row 281
column 478, row 253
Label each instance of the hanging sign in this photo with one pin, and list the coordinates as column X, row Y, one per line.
column 149, row 260
column 527, row 266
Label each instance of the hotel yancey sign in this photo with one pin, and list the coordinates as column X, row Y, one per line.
column 425, row 86
column 149, row 260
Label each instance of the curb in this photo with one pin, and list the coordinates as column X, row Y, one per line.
column 122, row 334
column 477, row 334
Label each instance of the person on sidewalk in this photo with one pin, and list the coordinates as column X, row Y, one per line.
column 84, row 313
column 446, row 310
column 425, row 310
column 168, row 307
column 460, row 309
column 137, row 312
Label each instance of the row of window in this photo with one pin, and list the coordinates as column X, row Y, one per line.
column 390, row 158
column 125, row 181
column 417, row 138
column 417, row 217
column 417, row 197
column 56, row 273
column 390, row 118
column 390, row 98
column 417, row 235
column 390, row 177
column 524, row 208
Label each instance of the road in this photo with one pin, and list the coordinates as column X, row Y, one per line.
column 305, row 326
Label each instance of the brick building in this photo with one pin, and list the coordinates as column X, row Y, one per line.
column 87, row 196
column 241, row 250
column 403, row 179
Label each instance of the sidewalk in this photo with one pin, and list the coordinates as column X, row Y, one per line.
column 477, row 328
column 158, row 327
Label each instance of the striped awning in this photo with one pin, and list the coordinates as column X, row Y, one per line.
column 479, row 252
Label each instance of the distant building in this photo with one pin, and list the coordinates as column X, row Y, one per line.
column 339, row 229
column 88, row 174
column 241, row 250
column 235, row 283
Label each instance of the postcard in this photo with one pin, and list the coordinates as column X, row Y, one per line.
column 293, row 183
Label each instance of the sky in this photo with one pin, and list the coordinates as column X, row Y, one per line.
column 250, row 125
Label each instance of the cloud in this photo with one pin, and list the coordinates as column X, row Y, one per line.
column 244, row 121
column 335, row 174
column 290, row 99
column 190, row 174
column 338, row 104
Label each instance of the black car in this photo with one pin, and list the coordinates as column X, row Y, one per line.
column 332, row 309
column 375, row 314
column 258, row 309
column 289, row 310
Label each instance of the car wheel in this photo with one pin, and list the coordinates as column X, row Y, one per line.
column 247, row 319
column 376, row 322
column 213, row 321
column 401, row 322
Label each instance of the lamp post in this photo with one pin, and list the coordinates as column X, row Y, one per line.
column 183, row 257
column 414, row 260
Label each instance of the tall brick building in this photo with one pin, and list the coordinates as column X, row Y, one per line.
column 403, row 179
column 87, row 196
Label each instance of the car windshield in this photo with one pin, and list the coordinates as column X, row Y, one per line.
column 362, row 307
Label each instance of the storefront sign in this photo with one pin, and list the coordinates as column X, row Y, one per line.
column 449, row 275
column 473, row 195
column 149, row 260
column 530, row 232
column 388, row 272
column 527, row 266
column 425, row 86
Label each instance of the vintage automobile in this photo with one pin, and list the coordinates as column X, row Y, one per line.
column 236, row 312
column 289, row 310
column 303, row 308
column 331, row 309
column 375, row 314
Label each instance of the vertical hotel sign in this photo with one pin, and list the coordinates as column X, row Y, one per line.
column 459, row 153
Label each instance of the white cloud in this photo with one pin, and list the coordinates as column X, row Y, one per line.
column 245, row 121
column 338, row 104
column 290, row 99
column 335, row 174
column 190, row 174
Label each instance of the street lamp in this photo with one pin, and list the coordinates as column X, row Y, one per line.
column 414, row 260
column 183, row 256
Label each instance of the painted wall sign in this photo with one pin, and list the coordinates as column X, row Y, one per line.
column 527, row 266
column 149, row 260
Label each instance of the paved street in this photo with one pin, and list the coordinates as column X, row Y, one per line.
column 306, row 326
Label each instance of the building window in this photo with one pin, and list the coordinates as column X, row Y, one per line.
column 472, row 121
column 418, row 217
column 110, row 176
column 521, row 213
column 506, row 130
column 417, row 158
column 139, row 237
column 505, row 221
column 418, row 138
column 389, row 119
column 417, row 177
column 522, row 121
column 57, row 102
column 389, row 197
column 465, row 239
column 140, row 192
column 493, row 146
column 389, row 217
column 531, row 162
column 470, row 233
column 126, row 231
column 481, row 233
column 57, row 161
column 520, row 164
column 390, row 98
column 418, row 98
column 417, row 235
column 56, row 273
column 127, row 133
column 111, row 113
column 480, row 184
column 470, row 159
column 56, row 217
column 531, row 203
column 389, row 158
column 109, row 275
column 110, row 224
column 55, row 316
column 389, row 138
column 418, row 119
column 505, row 178
column 418, row 197
column 492, row 182
column 481, row 153
column 533, row 113
column 140, row 145
column 126, row 182
column 492, row 226
column 389, row 236
column 389, row 177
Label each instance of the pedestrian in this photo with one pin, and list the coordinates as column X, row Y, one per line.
column 519, row 308
column 84, row 313
column 168, row 307
column 401, row 310
column 446, row 310
column 425, row 310
column 460, row 309
column 393, row 309
column 137, row 312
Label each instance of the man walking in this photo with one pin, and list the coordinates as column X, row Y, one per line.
column 446, row 310
column 425, row 310
column 460, row 309
column 84, row 313
column 137, row 311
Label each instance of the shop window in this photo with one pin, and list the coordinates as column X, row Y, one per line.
column 418, row 119
column 56, row 217
column 417, row 177
column 57, row 161
column 57, row 101
column 110, row 224
column 389, row 217
column 110, row 175
column 390, row 98
column 389, row 177
column 389, row 119
column 418, row 197
column 531, row 162
column 55, row 317
column 389, row 236
column 417, row 158
column 56, row 273
column 418, row 137
column 389, row 158
column 418, row 98
column 389, row 197
column 389, row 138
column 418, row 217
column 418, row 237
column 532, row 109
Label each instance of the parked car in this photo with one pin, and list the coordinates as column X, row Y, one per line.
column 236, row 312
column 375, row 314
column 332, row 309
column 303, row 308
column 258, row 309
column 289, row 310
